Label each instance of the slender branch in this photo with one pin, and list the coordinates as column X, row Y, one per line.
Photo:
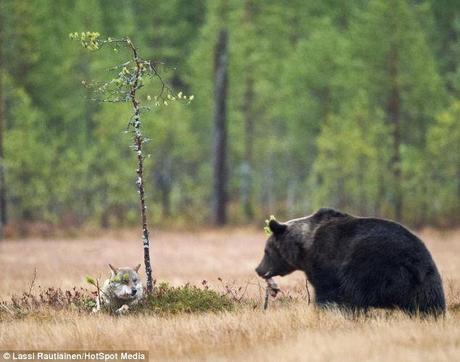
column 138, row 140
column 32, row 282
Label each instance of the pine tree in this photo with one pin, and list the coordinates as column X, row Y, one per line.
column 398, row 71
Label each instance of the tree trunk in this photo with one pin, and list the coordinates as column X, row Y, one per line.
column 163, row 181
column 138, row 141
column 220, row 130
column 3, row 216
column 268, row 194
column 248, row 115
column 246, row 177
column 394, row 116
column 291, row 200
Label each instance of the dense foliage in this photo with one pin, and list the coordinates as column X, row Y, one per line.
column 350, row 104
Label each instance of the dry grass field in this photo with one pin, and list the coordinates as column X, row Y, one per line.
column 288, row 331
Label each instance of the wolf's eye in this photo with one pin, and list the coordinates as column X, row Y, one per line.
column 135, row 280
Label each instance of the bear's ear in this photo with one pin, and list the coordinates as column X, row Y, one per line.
column 276, row 227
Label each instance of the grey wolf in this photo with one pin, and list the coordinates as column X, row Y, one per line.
column 356, row 263
column 122, row 290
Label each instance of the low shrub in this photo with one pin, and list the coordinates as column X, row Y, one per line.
column 55, row 299
column 167, row 299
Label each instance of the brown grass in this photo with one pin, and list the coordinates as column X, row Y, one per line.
column 288, row 331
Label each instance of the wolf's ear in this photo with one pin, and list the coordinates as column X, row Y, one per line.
column 113, row 269
column 276, row 227
column 136, row 269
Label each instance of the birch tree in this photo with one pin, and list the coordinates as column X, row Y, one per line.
column 131, row 76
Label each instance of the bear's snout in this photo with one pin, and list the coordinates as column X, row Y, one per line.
column 261, row 272
column 258, row 271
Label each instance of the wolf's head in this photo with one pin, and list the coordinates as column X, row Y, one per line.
column 125, row 283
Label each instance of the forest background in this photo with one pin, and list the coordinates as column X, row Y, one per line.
column 350, row 104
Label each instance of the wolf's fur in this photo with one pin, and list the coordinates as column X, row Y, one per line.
column 122, row 290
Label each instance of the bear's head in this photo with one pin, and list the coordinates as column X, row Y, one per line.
column 287, row 248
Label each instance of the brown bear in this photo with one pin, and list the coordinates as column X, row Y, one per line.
column 356, row 262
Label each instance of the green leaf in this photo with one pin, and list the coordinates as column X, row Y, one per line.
column 90, row 280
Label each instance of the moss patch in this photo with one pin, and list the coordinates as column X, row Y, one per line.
column 184, row 299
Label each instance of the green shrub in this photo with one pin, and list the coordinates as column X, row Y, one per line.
column 184, row 299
